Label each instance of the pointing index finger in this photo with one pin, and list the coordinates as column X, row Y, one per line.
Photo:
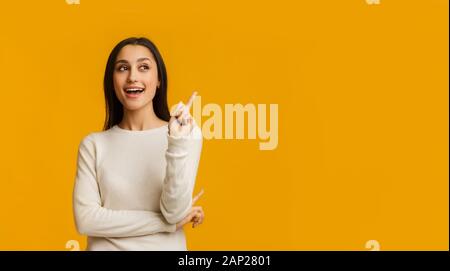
column 191, row 100
column 197, row 196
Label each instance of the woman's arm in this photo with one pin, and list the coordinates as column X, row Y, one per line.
column 182, row 156
column 94, row 220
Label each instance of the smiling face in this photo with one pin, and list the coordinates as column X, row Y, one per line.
column 135, row 77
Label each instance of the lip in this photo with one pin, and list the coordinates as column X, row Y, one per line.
column 133, row 95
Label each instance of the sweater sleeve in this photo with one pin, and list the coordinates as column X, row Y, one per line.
column 183, row 157
column 92, row 219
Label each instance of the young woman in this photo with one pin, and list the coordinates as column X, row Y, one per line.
column 134, row 181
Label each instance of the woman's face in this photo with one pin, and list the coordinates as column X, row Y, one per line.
column 135, row 77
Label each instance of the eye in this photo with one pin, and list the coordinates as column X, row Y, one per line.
column 122, row 68
column 144, row 67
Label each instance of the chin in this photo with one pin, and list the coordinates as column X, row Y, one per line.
column 133, row 106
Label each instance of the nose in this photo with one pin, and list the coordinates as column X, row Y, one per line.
column 131, row 76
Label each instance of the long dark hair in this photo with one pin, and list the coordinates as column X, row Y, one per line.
column 114, row 109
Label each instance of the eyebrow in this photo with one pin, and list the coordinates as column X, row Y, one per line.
column 139, row 60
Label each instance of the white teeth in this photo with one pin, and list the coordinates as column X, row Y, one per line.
column 134, row 90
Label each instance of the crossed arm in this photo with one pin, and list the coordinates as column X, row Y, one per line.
column 176, row 202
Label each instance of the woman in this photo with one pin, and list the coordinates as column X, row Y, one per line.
column 134, row 182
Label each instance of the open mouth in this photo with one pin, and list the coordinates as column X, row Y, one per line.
column 134, row 92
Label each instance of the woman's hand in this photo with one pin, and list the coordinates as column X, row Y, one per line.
column 196, row 215
column 181, row 121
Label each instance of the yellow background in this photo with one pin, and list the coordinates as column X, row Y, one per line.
column 363, row 117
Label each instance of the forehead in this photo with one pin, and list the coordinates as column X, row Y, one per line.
column 132, row 53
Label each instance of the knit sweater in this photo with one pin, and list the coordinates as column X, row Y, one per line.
column 132, row 187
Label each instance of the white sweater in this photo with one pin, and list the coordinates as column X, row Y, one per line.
column 132, row 187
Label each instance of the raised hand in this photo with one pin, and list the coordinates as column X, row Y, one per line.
column 181, row 121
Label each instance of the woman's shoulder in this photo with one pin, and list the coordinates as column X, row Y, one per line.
column 93, row 137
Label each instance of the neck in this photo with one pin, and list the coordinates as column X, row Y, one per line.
column 141, row 119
